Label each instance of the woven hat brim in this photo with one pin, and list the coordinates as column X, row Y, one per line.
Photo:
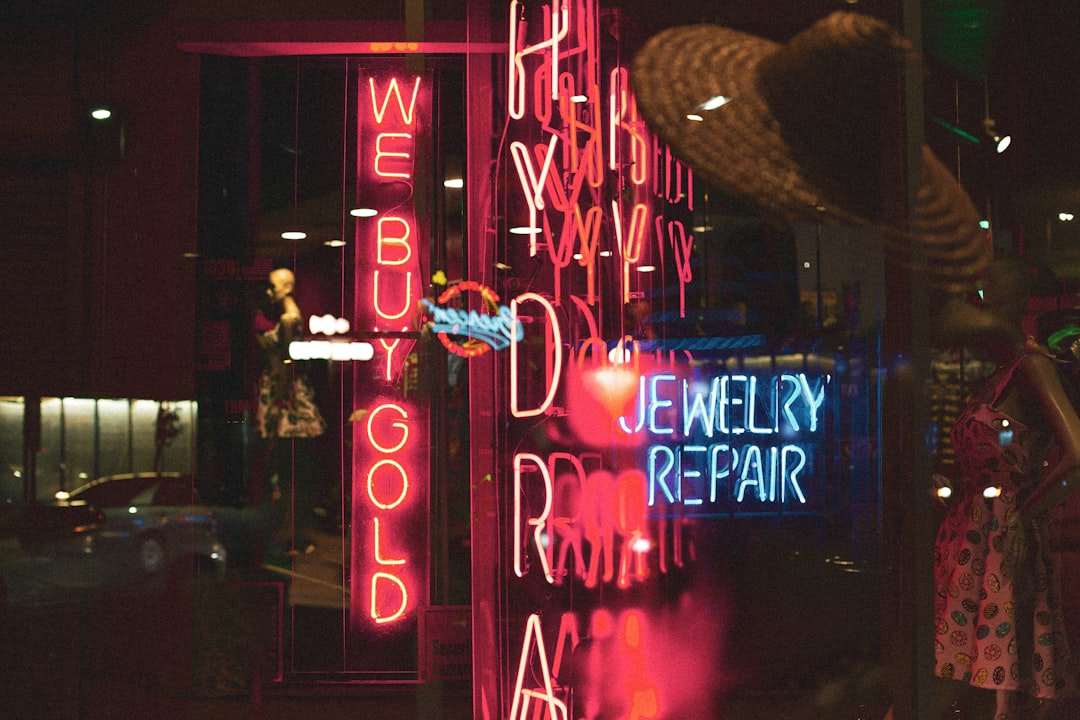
column 738, row 147
column 741, row 149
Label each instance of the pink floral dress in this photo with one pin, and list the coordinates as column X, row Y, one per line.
column 998, row 626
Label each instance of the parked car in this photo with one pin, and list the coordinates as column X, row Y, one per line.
column 161, row 519
column 55, row 553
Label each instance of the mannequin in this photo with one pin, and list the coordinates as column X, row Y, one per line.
column 287, row 411
column 998, row 616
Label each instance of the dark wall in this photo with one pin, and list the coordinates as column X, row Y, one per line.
column 99, row 298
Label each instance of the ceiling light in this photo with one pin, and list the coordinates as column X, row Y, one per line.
column 524, row 230
column 578, row 98
column 334, row 243
column 363, row 212
column 454, row 183
column 293, row 235
column 714, row 102
column 1065, row 217
column 646, row 268
column 695, row 117
column 100, row 112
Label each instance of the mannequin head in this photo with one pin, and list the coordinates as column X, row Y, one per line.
column 281, row 286
column 993, row 323
column 1007, row 285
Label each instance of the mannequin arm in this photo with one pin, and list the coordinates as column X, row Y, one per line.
column 1040, row 380
column 289, row 323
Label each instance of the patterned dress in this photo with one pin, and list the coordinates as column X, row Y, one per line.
column 998, row 626
column 286, row 406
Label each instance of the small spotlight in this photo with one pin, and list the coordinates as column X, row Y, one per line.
column 695, row 117
column 293, row 235
column 363, row 212
column 579, row 98
column 524, row 230
column 1001, row 142
column 100, row 112
column 646, row 268
column 1065, row 217
column 984, row 224
column 454, row 183
column 334, row 243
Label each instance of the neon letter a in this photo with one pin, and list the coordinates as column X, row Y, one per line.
column 556, row 708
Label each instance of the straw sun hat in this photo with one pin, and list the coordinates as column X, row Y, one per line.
column 794, row 131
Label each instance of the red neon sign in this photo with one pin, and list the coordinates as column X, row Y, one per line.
column 389, row 574
column 392, row 112
column 388, row 507
column 589, row 186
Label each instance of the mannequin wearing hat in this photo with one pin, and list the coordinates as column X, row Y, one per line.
column 998, row 614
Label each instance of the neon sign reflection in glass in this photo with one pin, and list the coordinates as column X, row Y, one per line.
column 749, row 434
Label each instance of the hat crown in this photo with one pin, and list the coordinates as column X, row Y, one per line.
column 824, row 88
column 833, row 61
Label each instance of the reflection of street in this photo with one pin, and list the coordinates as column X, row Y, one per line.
column 315, row 579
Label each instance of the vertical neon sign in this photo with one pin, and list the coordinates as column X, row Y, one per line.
column 587, row 187
column 388, row 578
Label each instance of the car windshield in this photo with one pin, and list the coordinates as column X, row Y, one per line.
column 139, row 491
